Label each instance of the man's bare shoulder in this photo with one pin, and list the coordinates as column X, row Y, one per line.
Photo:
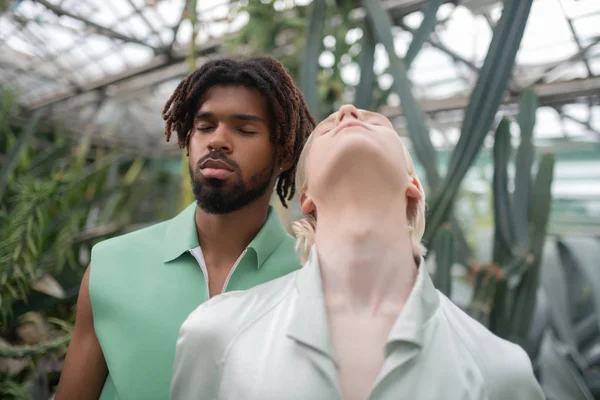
column 146, row 237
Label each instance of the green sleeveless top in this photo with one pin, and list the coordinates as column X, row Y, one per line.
column 144, row 284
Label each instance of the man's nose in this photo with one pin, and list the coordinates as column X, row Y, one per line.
column 348, row 111
column 219, row 140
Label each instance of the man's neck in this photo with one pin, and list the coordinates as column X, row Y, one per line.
column 366, row 258
column 223, row 237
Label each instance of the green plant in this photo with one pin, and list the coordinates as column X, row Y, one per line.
column 444, row 257
column 567, row 359
column 58, row 197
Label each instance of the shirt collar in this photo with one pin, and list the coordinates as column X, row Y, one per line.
column 181, row 235
column 420, row 307
column 268, row 238
column 310, row 326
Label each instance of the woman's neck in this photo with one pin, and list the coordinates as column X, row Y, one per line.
column 365, row 254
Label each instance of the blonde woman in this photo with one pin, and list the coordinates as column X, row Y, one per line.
column 362, row 319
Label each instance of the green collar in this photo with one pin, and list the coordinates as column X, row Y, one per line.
column 181, row 235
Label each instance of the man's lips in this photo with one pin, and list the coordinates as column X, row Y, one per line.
column 350, row 123
column 217, row 169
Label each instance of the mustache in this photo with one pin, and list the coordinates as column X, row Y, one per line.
column 217, row 156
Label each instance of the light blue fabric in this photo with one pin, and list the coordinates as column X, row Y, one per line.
column 272, row 343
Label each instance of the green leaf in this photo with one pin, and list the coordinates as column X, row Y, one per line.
column 418, row 132
column 415, row 118
column 422, row 34
column 310, row 57
column 561, row 377
column 31, row 245
column 484, row 293
column 134, row 171
column 526, row 293
column 523, row 163
column 579, row 259
column 444, row 259
column 527, row 112
column 29, row 351
column 364, row 91
column 47, row 159
column 499, row 318
column 483, row 105
column 555, row 278
column 13, row 157
column 540, row 204
column 504, row 232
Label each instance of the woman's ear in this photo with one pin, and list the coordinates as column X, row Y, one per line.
column 414, row 190
column 307, row 205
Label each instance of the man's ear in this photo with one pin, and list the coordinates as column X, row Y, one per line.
column 286, row 163
column 307, row 205
column 414, row 190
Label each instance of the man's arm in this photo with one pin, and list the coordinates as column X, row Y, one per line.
column 85, row 369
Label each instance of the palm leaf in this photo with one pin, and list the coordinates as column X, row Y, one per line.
column 483, row 105
column 13, row 157
column 424, row 31
column 523, row 163
column 364, row 91
column 504, row 234
column 415, row 118
column 310, row 57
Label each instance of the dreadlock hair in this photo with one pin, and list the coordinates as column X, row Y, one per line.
column 291, row 120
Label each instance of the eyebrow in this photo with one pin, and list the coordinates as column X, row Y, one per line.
column 240, row 117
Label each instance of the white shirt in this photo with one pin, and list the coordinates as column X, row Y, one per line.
column 272, row 342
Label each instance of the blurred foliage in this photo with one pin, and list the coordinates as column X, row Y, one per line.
column 567, row 355
column 185, row 190
column 284, row 34
column 57, row 198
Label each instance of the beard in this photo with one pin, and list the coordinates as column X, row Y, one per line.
column 216, row 196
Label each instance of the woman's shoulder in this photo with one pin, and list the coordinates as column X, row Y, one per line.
column 231, row 311
column 505, row 366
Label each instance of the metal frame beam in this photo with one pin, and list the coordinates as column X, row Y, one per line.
column 166, row 66
column 101, row 29
column 575, row 37
column 396, row 8
column 581, row 54
column 157, row 63
column 585, row 124
column 548, row 94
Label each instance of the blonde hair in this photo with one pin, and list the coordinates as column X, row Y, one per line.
column 305, row 228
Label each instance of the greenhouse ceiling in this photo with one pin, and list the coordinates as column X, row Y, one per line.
column 106, row 67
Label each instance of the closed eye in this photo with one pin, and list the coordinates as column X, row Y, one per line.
column 204, row 128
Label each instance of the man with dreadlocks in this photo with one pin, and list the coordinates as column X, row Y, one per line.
column 243, row 124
